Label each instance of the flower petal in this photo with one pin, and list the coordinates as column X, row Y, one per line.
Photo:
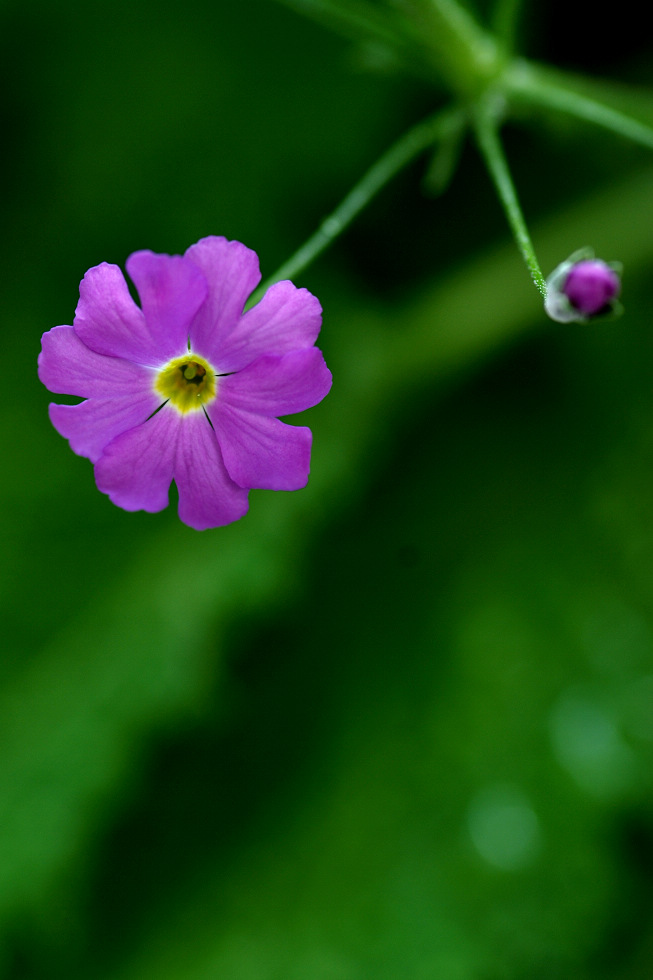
column 171, row 290
column 261, row 452
column 286, row 319
column 232, row 272
column 278, row 385
column 91, row 425
column 108, row 320
column 136, row 467
column 69, row 367
column 208, row 497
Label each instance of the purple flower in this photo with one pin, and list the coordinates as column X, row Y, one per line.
column 188, row 387
column 583, row 287
column 591, row 286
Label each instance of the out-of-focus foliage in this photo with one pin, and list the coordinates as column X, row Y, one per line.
column 399, row 724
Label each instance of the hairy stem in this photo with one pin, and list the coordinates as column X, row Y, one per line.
column 486, row 127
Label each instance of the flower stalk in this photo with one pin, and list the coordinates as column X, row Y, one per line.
column 487, row 134
column 485, row 80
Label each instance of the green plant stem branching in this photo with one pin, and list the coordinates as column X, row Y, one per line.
column 484, row 79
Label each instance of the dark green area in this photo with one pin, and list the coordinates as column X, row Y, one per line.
column 399, row 724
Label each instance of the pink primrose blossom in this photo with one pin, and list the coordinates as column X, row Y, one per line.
column 187, row 387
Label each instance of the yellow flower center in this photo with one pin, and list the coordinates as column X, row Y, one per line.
column 188, row 382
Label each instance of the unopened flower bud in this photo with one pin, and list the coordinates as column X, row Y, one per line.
column 582, row 287
column 591, row 286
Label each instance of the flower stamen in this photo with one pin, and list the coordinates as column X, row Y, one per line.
column 188, row 383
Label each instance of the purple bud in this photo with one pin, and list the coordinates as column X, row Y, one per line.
column 591, row 286
column 582, row 287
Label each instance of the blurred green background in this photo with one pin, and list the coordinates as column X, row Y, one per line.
column 398, row 724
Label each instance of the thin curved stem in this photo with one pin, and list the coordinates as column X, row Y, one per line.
column 407, row 148
column 487, row 133
column 526, row 82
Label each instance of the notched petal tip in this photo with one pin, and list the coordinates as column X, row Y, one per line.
column 287, row 318
column 171, row 289
column 135, row 469
column 262, row 453
column 208, row 497
column 108, row 321
column 66, row 365
column 279, row 384
column 232, row 272
column 92, row 424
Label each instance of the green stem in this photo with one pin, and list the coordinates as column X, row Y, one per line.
column 411, row 144
column 527, row 83
column 505, row 21
column 464, row 53
column 486, row 127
